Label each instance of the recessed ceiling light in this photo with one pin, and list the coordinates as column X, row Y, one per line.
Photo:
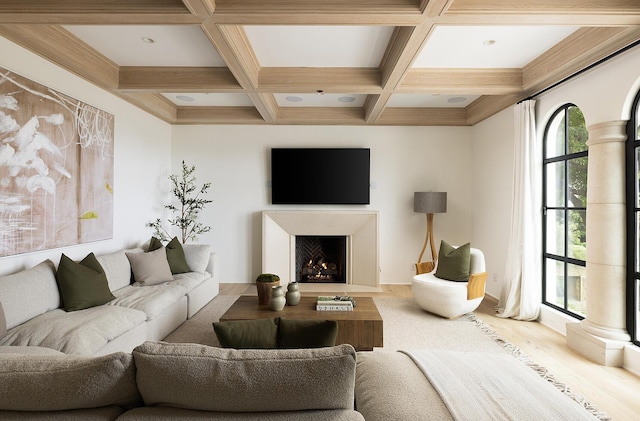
column 148, row 40
column 185, row 98
column 346, row 99
column 294, row 99
column 456, row 99
column 488, row 42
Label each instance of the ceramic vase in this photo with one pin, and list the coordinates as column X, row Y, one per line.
column 293, row 294
column 278, row 300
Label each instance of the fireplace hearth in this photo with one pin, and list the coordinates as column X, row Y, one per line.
column 321, row 259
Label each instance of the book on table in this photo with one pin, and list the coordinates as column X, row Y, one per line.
column 334, row 303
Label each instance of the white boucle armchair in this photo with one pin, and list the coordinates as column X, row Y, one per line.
column 451, row 299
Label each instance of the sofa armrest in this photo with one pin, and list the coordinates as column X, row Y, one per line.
column 475, row 287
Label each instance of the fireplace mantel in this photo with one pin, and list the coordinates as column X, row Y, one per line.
column 279, row 229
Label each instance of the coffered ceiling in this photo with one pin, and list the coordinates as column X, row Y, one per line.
column 349, row 62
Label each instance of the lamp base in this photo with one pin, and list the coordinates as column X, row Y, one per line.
column 424, row 267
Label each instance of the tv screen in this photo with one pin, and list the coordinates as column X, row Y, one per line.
column 320, row 176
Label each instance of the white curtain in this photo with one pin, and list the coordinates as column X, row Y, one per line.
column 521, row 291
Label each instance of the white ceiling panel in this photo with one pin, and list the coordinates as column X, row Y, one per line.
column 180, row 45
column 319, row 46
column 488, row 46
column 209, row 100
column 430, row 100
column 324, row 100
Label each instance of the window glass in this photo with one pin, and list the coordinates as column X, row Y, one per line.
column 578, row 134
column 565, row 211
column 577, row 234
column 555, row 232
column 554, row 293
column 555, row 136
column 577, row 289
column 555, row 184
column 637, row 178
column 577, row 183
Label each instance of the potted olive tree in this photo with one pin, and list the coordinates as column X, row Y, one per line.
column 264, row 283
column 190, row 202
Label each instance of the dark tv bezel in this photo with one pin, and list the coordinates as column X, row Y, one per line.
column 363, row 196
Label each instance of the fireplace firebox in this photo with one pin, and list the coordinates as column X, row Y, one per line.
column 321, row 259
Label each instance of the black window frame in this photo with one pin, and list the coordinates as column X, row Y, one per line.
column 633, row 276
column 566, row 157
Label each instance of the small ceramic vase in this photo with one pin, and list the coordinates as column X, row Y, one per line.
column 278, row 301
column 293, row 294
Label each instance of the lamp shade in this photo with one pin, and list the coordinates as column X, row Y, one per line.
column 430, row 202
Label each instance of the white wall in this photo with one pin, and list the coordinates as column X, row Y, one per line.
column 403, row 160
column 142, row 158
column 493, row 145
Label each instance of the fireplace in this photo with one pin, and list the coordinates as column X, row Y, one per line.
column 321, row 258
column 358, row 228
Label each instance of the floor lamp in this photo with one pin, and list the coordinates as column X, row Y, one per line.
column 429, row 203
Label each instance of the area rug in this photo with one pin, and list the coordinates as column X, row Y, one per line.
column 406, row 327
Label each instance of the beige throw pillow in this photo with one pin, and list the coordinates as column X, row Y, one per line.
column 150, row 268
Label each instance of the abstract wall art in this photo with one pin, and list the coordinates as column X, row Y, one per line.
column 56, row 168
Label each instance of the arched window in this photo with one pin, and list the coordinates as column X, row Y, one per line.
column 633, row 222
column 564, row 211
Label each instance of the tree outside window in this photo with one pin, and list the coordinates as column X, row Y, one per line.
column 564, row 211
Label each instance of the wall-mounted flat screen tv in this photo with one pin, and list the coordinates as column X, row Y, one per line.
column 320, row 176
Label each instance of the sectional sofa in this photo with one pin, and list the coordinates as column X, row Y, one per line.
column 34, row 308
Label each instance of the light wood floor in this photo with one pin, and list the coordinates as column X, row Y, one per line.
column 611, row 389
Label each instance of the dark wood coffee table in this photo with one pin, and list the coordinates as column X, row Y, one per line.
column 361, row 327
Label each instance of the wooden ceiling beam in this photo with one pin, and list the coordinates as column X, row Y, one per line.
column 59, row 46
column 154, row 104
column 202, row 8
column 462, row 81
column 218, row 115
column 233, row 46
column 321, row 116
column 579, row 50
column 94, row 6
column 177, row 79
column 327, row 12
column 85, row 12
column 547, row 6
column 313, row 79
column 423, row 117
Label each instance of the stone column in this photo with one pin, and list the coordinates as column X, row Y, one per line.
column 602, row 335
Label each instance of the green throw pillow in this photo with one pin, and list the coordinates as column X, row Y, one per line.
column 294, row 333
column 453, row 263
column 82, row 285
column 248, row 334
column 175, row 254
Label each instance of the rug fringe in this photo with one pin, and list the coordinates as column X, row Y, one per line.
column 542, row 371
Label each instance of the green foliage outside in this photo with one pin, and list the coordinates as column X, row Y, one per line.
column 576, row 184
column 190, row 203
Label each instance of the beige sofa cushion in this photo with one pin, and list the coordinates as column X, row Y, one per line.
column 3, row 323
column 117, row 267
column 227, row 380
column 29, row 293
column 56, row 383
column 82, row 332
column 197, row 256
